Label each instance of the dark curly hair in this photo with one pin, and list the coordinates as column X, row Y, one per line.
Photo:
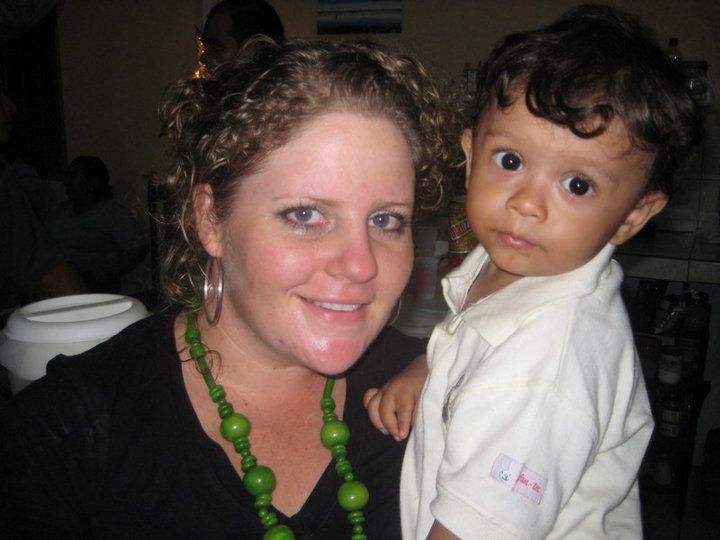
column 225, row 126
column 588, row 67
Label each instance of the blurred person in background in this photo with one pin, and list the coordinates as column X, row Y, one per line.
column 31, row 266
column 99, row 236
column 231, row 23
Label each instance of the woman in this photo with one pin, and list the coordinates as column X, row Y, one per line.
column 293, row 190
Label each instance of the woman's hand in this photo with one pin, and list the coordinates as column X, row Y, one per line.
column 393, row 406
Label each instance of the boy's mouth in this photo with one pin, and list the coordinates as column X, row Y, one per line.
column 514, row 241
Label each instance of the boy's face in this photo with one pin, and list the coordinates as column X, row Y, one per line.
column 543, row 201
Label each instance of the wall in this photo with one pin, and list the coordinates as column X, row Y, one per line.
column 116, row 59
column 446, row 34
column 117, row 56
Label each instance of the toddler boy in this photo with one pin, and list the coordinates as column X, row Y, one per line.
column 534, row 417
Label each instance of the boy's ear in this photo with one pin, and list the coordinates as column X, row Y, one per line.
column 466, row 141
column 206, row 223
column 649, row 205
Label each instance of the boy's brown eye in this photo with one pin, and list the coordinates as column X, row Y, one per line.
column 578, row 186
column 508, row 161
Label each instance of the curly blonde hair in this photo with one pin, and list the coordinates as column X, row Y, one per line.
column 224, row 126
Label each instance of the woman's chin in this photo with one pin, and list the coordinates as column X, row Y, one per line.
column 336, row 357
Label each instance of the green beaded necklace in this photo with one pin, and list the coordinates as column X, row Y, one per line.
column 259, row 480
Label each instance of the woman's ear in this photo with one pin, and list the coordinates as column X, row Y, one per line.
column 648, row 206
column 466, row 141
column 206, row 222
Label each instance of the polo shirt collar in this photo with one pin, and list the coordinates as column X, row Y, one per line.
column 498, row 315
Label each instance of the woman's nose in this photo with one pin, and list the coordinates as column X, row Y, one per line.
column 528, row 199
column 353, row 258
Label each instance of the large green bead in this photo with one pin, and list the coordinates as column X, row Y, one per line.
column 353, row 495
column 278, row 532
column 234, row 426
column 334, row 432
column 259, row 480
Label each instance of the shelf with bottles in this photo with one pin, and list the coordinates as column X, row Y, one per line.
column 667, row 465
column 470, row 79
column 653, row 311
column 671, row 335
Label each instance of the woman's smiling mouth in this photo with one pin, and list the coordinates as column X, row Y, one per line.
column 336, row 307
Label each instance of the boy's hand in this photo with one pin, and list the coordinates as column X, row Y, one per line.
column 392, row 407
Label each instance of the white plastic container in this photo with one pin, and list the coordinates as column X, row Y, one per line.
column 37, row 332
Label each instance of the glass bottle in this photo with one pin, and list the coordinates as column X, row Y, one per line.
column 673, row 52
column 670, row 411
column 697, row 82
column 470, row 74
column 670, row 365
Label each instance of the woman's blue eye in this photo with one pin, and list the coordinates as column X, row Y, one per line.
column 578, row 186
column 509, row 161
column 387, row 221
column 303, row 216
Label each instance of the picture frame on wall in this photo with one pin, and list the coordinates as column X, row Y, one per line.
column 359, row 16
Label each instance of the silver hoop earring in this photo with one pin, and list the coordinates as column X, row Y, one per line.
column 398, row 309
column 217, row 289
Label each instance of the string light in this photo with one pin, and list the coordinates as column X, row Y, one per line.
column 200, row 70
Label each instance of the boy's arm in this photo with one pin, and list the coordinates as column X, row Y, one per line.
column 392, row 407
column 439, row 532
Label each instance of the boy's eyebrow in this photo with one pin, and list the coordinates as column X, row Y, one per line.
column 597, row 167
column 497, row 133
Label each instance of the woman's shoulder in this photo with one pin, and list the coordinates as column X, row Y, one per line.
column 91, row 379
column 132, row 345
column 389, row 353
column 62, row 431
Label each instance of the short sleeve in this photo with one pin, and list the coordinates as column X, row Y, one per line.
column 516, row 447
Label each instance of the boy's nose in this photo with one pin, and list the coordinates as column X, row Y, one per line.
column 353, row 258
column 528, row 200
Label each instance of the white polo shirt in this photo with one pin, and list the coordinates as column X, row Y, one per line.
column 534, row 418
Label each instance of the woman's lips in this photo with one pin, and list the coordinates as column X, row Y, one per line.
column 515, row 242
column 337, row 312
column 332, row 306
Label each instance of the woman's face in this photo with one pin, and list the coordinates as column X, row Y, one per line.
column 318, row 246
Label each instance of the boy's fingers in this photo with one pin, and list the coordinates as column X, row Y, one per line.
column 405, row 414
column 404, row 418
column 369, row 394
column 387, row 414
column 373, row 409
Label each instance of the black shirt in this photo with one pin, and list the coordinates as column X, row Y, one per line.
column 108, row 445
